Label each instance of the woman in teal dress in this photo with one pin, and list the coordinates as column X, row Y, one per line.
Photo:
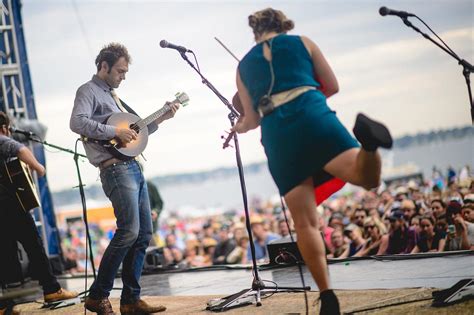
column 310, row 153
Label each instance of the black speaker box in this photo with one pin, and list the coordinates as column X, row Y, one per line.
column 284, row 252
column 154, row 259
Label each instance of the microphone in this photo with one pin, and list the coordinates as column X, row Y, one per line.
column 21, row 131
column 181, row 49
column 386, row 11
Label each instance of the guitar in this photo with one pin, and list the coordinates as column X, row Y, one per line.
column 15, row 175
column 132, row 149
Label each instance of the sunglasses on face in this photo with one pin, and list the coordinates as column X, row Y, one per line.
column 369, row 227
column 360, row 217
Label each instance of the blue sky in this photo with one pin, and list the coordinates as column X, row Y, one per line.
column 384, row 68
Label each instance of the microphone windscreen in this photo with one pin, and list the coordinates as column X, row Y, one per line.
column 163, row 43
column 383, row 11
column 31, row 125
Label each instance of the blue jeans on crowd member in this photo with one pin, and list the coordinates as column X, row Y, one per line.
column 125, row 186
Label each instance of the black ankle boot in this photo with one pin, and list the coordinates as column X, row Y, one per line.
column 371, row 134
column 329, row 303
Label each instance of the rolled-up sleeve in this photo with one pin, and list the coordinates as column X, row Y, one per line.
column 81, row 122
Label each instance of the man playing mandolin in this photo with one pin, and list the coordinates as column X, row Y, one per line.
column 122, row 181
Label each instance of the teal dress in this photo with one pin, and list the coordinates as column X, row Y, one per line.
column 303, row 135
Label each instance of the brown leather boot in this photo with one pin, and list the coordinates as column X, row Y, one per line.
column 101, row 307
column 59, row 295
column 140, row 307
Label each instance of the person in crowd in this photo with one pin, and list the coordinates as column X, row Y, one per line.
column 17, row 224
column 336, row 221
column 401, row 193
column 193, row 256
column 239, row 254
column 415, row 224
column 460, row 234
column 225, row 245
column 467, row 211
column 325, row 230
column 122, row 180
column 337, row 243
column 283, row 230
column 430, row 240
column 305, row 143
column 438, row 208
column 409, row 209
column 173, row 255
column 357, row 241
column 401, row 239
column 209, row 246
column 209, row 231
column 261, row 239
column 377, row 239
column 360, row 214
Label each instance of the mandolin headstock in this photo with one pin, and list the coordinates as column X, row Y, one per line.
column 182, row 98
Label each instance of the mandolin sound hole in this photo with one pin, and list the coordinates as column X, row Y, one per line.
column 135, row 128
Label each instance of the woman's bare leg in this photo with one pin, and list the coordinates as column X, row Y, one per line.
column 302, row 205
column 357, row 166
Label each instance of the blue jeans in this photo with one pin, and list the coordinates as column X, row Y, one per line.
column 125, row 186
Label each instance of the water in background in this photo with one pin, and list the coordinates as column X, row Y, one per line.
column 220, row 190
column 224, row 191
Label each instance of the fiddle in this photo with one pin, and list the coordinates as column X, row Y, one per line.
column 237, row 104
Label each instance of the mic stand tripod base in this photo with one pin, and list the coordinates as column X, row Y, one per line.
column 249, row 296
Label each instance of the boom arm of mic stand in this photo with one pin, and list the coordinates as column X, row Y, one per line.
column 212, row 88
column 57, row 147
column 467, row 67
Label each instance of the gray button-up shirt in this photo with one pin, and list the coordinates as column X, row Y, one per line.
column 93, row 105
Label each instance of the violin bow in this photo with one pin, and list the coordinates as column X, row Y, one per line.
column 228, row 50
column 230, row 135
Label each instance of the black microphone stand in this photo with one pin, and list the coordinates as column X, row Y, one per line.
column 81, row 191
column 467, row 67
column 246, row 296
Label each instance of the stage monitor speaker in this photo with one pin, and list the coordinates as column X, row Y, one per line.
column 284, row 252
column 154, row 259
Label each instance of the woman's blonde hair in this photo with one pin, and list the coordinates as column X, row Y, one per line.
column 269, row 20
column 377, row 223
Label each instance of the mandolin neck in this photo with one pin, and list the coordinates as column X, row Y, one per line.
column 148, row 120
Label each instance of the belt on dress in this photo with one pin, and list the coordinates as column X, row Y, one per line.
column 282, row 98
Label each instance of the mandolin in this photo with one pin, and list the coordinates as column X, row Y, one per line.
column 136, row 147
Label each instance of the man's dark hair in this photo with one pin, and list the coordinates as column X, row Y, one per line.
column 439, row 201
column 4, row 119
column 111, row 54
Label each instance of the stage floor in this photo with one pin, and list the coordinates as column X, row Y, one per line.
column 360, row 285
column 440, row 272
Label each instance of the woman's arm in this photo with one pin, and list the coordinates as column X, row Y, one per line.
column 250, row 119
column 322, row 71
column 383, row 245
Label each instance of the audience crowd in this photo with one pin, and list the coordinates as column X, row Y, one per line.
column 405, row 217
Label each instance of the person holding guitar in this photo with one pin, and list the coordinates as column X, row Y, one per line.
column 122, row 180
column 18, row 225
